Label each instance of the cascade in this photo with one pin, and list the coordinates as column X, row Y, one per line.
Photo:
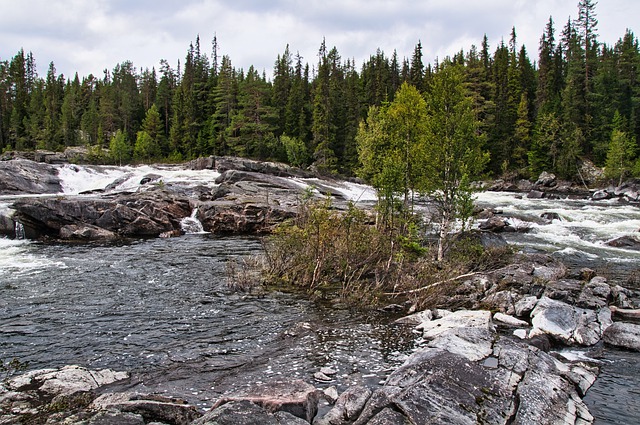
column 191, row 224
column 19, row 230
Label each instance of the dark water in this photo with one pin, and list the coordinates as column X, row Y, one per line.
column 615, row 397
column 162, row 310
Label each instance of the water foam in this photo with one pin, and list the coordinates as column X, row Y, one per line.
column 17, row 258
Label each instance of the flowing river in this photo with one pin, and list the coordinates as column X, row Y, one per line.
column 162, row 309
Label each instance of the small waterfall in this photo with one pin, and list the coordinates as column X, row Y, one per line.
column 19, row 230
column 191, row 224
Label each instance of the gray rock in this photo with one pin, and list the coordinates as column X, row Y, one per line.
column 21, row 176
column 150, row 407
column 626, row 242
column 295, row 397
column 536, row 194
column 85, row 232
column 509, row 320
column 546, row 179
column 467, row 333
column 623, row 335
column 525, row 305
column 600, row 195
column 568, row 324
column 64, row 381
column 347, row 407
column 244, row 412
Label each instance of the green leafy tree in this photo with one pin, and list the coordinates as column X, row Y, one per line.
column 621, row 153
column 454, row 152
column 119, row 149
column 296, row 150
column 145, row 147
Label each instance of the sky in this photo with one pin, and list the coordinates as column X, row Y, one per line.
column 88, row 36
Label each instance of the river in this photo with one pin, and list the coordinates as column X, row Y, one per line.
column 161, row 308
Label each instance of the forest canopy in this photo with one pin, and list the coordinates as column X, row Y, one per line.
column 576, row 99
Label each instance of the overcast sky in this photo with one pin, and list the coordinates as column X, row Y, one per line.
column 88, row 36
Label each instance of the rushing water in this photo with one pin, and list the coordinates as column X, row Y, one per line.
column 161, row 309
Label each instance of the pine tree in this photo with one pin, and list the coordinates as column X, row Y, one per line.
column 621, row 153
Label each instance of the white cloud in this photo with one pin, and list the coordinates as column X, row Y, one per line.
column 91, row 36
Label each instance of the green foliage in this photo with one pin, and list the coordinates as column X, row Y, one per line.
column 297, row 154
column 620, row 156
column 145, row 148
column 119, row 149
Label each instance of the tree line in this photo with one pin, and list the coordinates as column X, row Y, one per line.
column 579, row 100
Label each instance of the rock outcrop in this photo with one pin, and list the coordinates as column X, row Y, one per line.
column 21, row 176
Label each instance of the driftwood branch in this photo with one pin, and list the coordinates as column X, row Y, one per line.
column 432, row 285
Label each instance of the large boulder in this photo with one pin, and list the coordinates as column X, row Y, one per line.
column 130, row 215
column 623, row 335
column 21, row 176
column 569, row 324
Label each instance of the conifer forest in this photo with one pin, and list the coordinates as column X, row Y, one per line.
column 575, row 99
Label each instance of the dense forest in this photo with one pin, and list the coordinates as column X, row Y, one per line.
column 579, row 100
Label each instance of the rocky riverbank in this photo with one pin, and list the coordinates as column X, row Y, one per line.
column 498, row 354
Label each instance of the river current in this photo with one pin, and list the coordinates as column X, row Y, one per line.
column 161, row 308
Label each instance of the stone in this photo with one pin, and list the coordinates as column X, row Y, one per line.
column 600, row 195
column 22, row 176
column 85, row 232
column 295, row 397
column 568, row 324
column 468, row 333
column 546, row 179
column 347, row 407
column 509, row 320
column 494, row 224
column 626, row 242
column 536, row 194
column 550, row 216
column 416, row 318
column 623, row 335
column 245, row 412
column 525, row 305
column 150, row 407
column 64, row 381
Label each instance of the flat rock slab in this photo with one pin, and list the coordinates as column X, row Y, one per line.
column 244, row 412
column 295, row 397
column 464, row 332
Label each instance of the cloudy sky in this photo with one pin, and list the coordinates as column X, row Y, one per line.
column 88, row 36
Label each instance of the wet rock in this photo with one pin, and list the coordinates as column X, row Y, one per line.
column 536, row 194
column 568, row 324
column 244, row 412
column 416, row 318
column 295, row 397
column 347, row 407
column 150, row 407
column 626, row 242
column 601, row 195
column 623, row 335
column 85, row 232
column 550, row 216
column 21, row 176
column 113, row 418
column 494, row 224
column 130, row 215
